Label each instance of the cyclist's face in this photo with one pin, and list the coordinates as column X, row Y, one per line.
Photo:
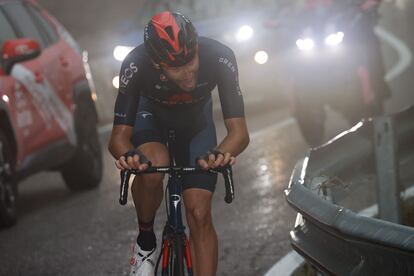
column 184, row 76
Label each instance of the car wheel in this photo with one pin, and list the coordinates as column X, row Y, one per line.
column 84, row 169
column 311, row 121
column 8, row 187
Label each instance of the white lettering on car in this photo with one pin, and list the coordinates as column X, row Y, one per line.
column 46, row 101
column 24, row 119
column 24, row 116
column 21, row 100
column 22, row 49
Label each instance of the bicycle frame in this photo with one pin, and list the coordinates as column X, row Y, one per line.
column 174, row 229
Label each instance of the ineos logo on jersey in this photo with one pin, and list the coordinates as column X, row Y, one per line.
column 129, row 73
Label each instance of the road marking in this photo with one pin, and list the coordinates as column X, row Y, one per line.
column 288, row 264
column 404, row 53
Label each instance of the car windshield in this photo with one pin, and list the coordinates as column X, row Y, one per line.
column 6, row 31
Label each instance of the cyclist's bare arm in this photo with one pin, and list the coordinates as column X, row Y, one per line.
column 233, row 144
column 119, row 144
column 237, row 137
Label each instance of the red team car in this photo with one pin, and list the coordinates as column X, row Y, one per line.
column 47, row 111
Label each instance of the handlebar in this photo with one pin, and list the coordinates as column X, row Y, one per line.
column 226, row 171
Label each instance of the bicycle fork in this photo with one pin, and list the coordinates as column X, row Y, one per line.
column 167, row 251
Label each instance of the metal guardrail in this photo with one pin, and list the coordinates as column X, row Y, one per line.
column 335, row 239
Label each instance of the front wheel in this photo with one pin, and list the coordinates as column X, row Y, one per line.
column 8, row 187
column 177, row 257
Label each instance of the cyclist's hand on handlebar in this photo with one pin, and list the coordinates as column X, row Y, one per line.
column 214, row 159
column 133, row 159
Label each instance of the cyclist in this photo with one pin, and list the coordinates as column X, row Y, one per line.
column 167, row 83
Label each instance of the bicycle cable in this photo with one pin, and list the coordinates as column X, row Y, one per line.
column 166, row 201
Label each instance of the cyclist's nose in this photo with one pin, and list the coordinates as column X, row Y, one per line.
column 188, row 74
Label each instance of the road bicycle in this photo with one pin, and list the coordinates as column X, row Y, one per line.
column 175, row 243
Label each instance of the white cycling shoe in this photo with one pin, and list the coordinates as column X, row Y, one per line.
column 142, row 262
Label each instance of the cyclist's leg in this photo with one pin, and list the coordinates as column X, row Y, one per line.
column 203, row 236
column 198, row 193
column 147, row 190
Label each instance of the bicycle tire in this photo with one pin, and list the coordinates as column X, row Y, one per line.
column 176, row 264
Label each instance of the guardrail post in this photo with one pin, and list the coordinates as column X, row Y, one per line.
column 389, row 204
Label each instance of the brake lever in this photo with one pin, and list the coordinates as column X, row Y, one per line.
column 123, row 193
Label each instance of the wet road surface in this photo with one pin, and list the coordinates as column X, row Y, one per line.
column 61, row 233
column 89, row 233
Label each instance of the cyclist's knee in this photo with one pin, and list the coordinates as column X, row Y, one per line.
column 198, row 207
column 199, row 215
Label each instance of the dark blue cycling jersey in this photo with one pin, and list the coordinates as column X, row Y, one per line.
column 139, row 77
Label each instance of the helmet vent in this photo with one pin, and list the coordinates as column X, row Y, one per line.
column 170, row 32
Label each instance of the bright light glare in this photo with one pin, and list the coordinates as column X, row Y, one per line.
column 334, row 39
column 263, row 168
column 261, row 57
column 5, row 98
column 115, row 82
column 120, row 52
column 244, row 33
column 306, row 44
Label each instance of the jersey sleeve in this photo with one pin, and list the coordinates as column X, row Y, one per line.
column 231, row 97
column 130, row 82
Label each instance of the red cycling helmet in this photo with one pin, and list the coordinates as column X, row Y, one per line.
column 170, row 39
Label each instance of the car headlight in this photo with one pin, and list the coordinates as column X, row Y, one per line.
column 244, row 33
column 120, row 52
column 305, row 44
column 334, row 39
column 261, row 57
column 115, row 82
